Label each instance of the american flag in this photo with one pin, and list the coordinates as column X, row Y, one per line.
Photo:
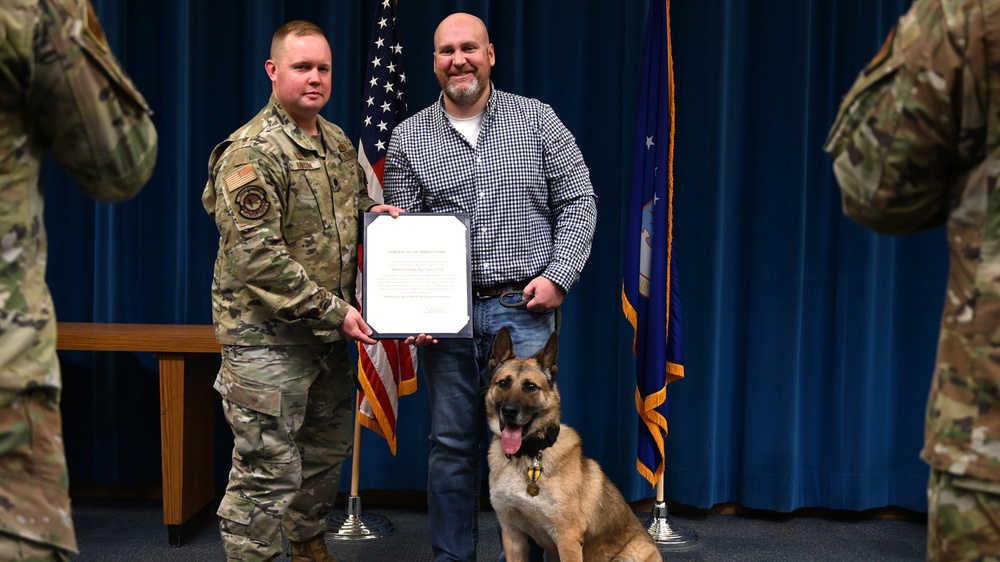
column 387, row 370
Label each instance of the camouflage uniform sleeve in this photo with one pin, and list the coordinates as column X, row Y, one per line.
column 365, row 200
column 246, row 200
column 94, row 121
column 912, row 122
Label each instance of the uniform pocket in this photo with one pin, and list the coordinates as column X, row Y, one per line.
column 242, row 517
column 236, row 508
column 248, row 393
column 31, row 438
column 308, row 202
column 253, row 410
column 16, row 456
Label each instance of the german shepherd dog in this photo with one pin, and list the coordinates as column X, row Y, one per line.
column 541, row 485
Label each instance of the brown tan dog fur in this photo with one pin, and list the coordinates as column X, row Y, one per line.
column 577, row 515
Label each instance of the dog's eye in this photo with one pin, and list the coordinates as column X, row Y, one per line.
column 530, row 387
column 503, row 384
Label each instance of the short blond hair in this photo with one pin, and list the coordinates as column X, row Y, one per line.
column 297, row 28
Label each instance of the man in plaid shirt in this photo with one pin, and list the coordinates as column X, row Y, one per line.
column 512, row 165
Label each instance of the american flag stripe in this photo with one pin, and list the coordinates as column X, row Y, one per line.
column 387, row 369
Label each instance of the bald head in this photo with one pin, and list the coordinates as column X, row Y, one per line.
column 461, row 22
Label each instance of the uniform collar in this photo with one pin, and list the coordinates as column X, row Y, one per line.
column 293, row 130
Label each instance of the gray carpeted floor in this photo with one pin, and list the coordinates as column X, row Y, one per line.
column 132, row 530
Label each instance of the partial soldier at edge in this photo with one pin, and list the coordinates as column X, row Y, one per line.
column 916, row 145
column 62, row 93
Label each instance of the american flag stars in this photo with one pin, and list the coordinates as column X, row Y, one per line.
column 385, row 104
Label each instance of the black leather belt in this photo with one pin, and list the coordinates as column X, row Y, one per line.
column 481, row 293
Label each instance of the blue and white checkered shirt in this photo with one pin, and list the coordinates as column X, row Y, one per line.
column 525, row 186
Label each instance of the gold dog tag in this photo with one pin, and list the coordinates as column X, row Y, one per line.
column 532, row 489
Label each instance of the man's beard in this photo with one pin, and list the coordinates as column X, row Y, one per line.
column 465, row 95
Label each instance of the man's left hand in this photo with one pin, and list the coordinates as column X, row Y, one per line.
column 544, row 294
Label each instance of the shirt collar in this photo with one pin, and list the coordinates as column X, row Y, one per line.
column 487, row 111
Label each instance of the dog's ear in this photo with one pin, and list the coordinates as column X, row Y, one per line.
column 548, row 357
column 503, row 349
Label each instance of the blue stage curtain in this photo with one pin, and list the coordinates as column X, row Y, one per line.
column 809, row 342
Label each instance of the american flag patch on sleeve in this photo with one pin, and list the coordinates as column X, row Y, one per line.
column 240, row 177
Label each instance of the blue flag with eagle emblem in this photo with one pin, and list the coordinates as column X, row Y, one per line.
column 650, row 296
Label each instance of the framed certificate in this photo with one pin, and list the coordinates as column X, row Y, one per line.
column 417, row 275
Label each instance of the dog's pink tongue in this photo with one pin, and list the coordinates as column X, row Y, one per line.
column 510, row 439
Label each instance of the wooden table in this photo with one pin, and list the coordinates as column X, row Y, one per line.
column 188, row 364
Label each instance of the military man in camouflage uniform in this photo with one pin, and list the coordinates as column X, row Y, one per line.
column 286, row 191
column 917, row 144
column 61, row 92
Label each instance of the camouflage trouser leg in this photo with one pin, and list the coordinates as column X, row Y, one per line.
column 34, row 481
column 291, row 412
column 16, row 549
column 963, row 519
column 325, row 441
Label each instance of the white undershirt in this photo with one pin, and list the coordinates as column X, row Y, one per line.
column 469, row 126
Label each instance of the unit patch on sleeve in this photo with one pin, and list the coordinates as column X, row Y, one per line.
column 252, row 202
column 240, row 177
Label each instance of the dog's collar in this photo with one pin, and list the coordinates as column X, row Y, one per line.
column 534, row 445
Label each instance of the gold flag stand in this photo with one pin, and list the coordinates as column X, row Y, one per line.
column 352, row 525
column 665, row 534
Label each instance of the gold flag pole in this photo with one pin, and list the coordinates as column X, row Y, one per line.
column 352, row 524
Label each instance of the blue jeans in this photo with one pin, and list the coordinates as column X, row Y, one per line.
column 455, row 371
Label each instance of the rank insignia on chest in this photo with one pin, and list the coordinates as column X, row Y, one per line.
column 240, row 177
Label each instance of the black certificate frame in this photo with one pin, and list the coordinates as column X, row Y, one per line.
column 417, row 275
